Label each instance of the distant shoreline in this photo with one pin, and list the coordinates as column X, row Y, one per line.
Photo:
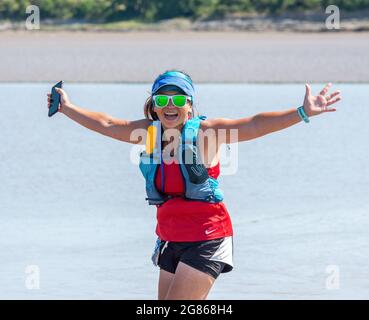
column 287, row 23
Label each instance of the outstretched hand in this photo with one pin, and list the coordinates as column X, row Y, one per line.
column 314, row 105
column 64, row 100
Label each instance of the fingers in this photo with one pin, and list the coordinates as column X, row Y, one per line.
column 330, row 102
column 333, row 95
column 59, row 90
column 49, row 100
column 329, row 109
column 308, row 89
column 325, row 89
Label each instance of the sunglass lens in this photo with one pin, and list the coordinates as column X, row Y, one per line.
column 161, row 101
column 179, row 101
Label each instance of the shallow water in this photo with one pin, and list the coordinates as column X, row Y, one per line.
column 73, row 204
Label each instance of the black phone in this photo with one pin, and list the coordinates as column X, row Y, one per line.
column 55, row 99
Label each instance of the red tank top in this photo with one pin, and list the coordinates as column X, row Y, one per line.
column 182, row 220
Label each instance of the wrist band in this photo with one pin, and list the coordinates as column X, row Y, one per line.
column 302, row 114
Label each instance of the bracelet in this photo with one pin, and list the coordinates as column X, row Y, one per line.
column 302, row 114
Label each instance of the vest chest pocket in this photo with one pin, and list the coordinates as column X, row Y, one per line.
column 196, row 170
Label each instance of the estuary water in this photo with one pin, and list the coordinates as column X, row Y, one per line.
column 73, row 214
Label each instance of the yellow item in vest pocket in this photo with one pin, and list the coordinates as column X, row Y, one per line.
column 151, row 139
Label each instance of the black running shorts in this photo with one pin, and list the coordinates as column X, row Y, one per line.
column 212, row 257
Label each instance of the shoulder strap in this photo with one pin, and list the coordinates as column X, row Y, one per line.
column 191, row 129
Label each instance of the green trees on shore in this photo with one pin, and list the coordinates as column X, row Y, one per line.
column 153, row 10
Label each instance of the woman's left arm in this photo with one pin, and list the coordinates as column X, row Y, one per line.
column 268, row 122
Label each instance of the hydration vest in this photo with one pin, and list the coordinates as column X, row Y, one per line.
column 198, row 184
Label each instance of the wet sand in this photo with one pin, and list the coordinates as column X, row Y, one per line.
column 31, row 56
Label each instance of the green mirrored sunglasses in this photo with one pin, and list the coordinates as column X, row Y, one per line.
column 162, row 100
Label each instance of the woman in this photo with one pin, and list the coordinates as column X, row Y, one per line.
column 181, row 166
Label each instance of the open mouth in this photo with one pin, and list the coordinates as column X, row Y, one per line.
column 171, row 115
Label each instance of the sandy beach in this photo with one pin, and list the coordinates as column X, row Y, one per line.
column 210, row 57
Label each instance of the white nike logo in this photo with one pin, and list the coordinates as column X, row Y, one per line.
column 209, row 231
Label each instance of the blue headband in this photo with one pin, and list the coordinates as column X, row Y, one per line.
column 174, row 78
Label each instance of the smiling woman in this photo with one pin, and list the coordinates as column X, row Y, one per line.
column 195, row 234
column 194, row 227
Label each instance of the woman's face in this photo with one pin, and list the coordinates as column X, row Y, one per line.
column 172, row 116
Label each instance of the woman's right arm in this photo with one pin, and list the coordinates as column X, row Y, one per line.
column 123, row 130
